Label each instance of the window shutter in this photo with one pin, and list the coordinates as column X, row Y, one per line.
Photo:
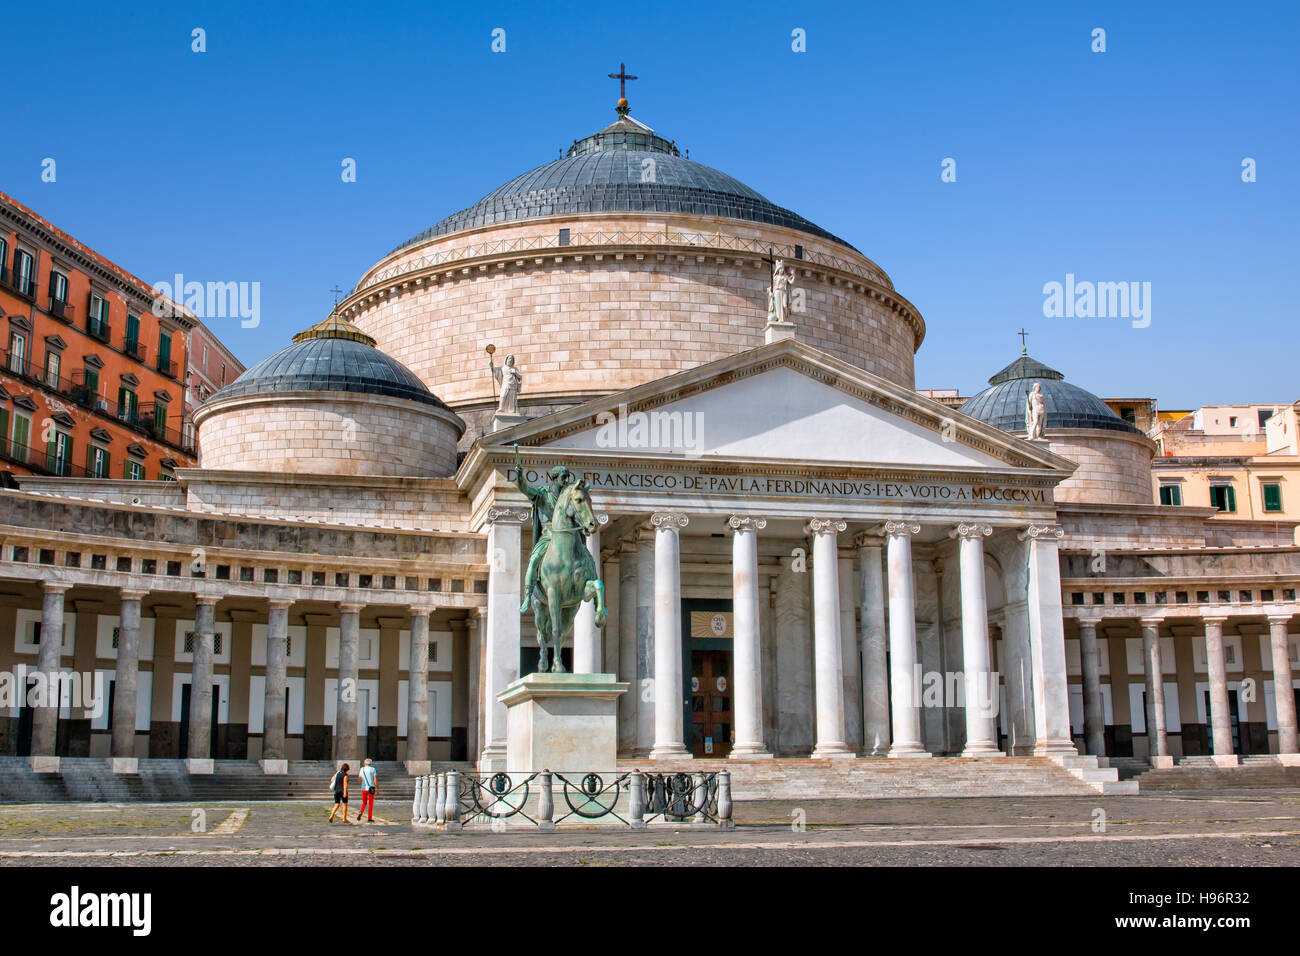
column 90, row 461
column 1232, row 499
column 1272, row 497
column 106, row 471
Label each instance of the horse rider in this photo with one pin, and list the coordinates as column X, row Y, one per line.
column 543, row 499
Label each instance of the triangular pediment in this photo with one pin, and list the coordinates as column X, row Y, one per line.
column 785, row 401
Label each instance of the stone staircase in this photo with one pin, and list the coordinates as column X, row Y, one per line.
column 866, row 778
column 89, row 779
column 1201, row 773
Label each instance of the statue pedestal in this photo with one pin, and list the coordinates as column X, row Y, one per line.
column 562, row 722
column 500, row 421
column 777, row 331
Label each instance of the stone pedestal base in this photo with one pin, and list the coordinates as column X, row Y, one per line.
column 124, row 764
column 562, row 722
column 750, row 755
column 43, row 764
column 1162, row 763
column 777, row 332
column 500, row 421
column 1289, row 760
column 274, row 767
column 832, row 753
column 977, row 754
column 418, row 768
column 199, row 764
column 1225, row 760
column 897, row 753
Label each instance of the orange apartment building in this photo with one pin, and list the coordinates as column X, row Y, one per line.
column 91, row 380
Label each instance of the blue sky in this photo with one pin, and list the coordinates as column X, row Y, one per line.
column 1115, row 166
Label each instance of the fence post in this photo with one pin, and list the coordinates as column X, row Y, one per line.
column 452, row 800
column 636, row 800
column 440, row 800
column 430, row 791
column 724, row 801
column 545, row 802
column 699, row 796
column 418, row 805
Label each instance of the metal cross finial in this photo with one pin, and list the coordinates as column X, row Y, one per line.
column 622, row 76
column 337, row 292
column 1022, row 333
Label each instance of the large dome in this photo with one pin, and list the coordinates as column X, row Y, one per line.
column 1068, row 406
column 623, row 168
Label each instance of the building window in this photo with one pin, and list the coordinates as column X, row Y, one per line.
column 1232, row 421
column 165, row 354
column 58, row 292
column 22, row 432
column 58, row 454
column 96, row 462
column 1272, row 496
column 1171, row 494
column 160, row 419
column 134, row 470
column 1223, row 497
column 24, row 273
column 128, row 408
column 18, row 353
column 52, row 362
column 97, row 318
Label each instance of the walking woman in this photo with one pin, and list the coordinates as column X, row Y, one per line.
column 340, row 787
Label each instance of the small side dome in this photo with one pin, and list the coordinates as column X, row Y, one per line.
column 330, row 403
column 1068, row 406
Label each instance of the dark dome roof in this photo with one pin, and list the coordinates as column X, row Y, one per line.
column 603, row 173
column 333, row 356
column 1002, row 404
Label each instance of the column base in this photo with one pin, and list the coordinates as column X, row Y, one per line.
column 493, row 758
column 908, row 752
column 43, row 764
column 641, row 753
column 1058, row 748
column 124, row 764
column 751, row 752
column 1162, row 763
column 274, row 766
column 982, row 751
column 1288, row 760
column 669, row 752
column 198, row 765
column 418, row 768
column 832, row 751
column 1225, row 760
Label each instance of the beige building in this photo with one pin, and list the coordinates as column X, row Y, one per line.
column 802, row 555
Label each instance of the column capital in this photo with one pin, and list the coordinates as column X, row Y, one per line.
column 825, row 526
column 965, row 530
column 421, row 611
column 509, row 515
column 206, row 599
column 132, row 594
column 746, row 523
column 1216, row 619
column 350, row 607
column 1035, row 531
column 1090, row 621
column 1151, row 620
column 279, row 603
column 669, row 519
column 896, row 529
column 55, row 587
column 1279, row 618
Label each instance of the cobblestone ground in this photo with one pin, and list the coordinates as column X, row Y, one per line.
column 1226, row 828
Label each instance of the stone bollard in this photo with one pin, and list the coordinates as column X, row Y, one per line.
column 724, row 801
column 452, row 800
column 545, row 802
column 417, row 809
column 636, row 800
column 440, row 801
column 429, row 792
column 699, row 796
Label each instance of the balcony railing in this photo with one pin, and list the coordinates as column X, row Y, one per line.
column 17, row 284
column 98, row 328
column 60, row 309
column 40, row 460
column 165, row 366
column 134, row 349
column 22, row 367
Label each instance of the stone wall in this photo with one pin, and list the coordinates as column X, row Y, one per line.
column 628, row 301
column 1114, row 467
column 331, row 433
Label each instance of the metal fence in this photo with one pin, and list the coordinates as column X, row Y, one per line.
column 632, row 798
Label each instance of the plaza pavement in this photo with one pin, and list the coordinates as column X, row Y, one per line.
column 1220, row 828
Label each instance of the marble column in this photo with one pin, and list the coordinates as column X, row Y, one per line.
column 586, row 635
column 669, row 736
column 501, row 637
column 460, row 692
column 851, row 657
column 1050, row 686
column 1094, row 718
column 45, row 719
column 747, row 663
column 828, row 660
column 645, row 644
column 417, row 689
column 627, row 648
column 201, row 673
column 906, row 708
column 1157, row 737
column 346, row 697
column 980, row 691
column 1217, row 672
column 875, row 673
column 1283, row 692
column 473, row 740
column 126, row 680
column 277, row 677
